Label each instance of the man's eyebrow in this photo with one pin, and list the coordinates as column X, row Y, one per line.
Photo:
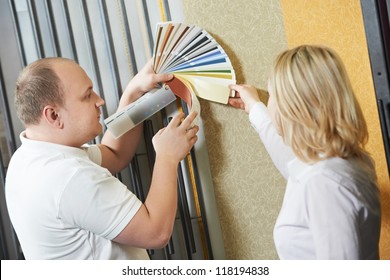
column 87, row 90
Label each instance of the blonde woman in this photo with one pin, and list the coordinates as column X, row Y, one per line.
column 315, row 133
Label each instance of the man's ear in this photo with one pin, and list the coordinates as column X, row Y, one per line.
column 52, row 116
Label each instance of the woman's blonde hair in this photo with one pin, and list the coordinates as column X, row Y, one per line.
column 317, row 112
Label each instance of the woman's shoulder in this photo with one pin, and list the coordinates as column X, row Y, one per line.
column 344, row 170
column 352, row 177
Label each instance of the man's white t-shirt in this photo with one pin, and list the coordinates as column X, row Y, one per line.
column 64, row 205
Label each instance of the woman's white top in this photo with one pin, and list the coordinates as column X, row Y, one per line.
column 331, row 209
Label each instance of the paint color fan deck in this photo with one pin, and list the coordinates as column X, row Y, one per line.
column 200, row 66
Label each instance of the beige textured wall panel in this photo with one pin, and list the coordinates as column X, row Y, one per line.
column 249, row 190
column 339, row 24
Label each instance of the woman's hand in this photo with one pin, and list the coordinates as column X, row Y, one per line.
column 246, row 97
